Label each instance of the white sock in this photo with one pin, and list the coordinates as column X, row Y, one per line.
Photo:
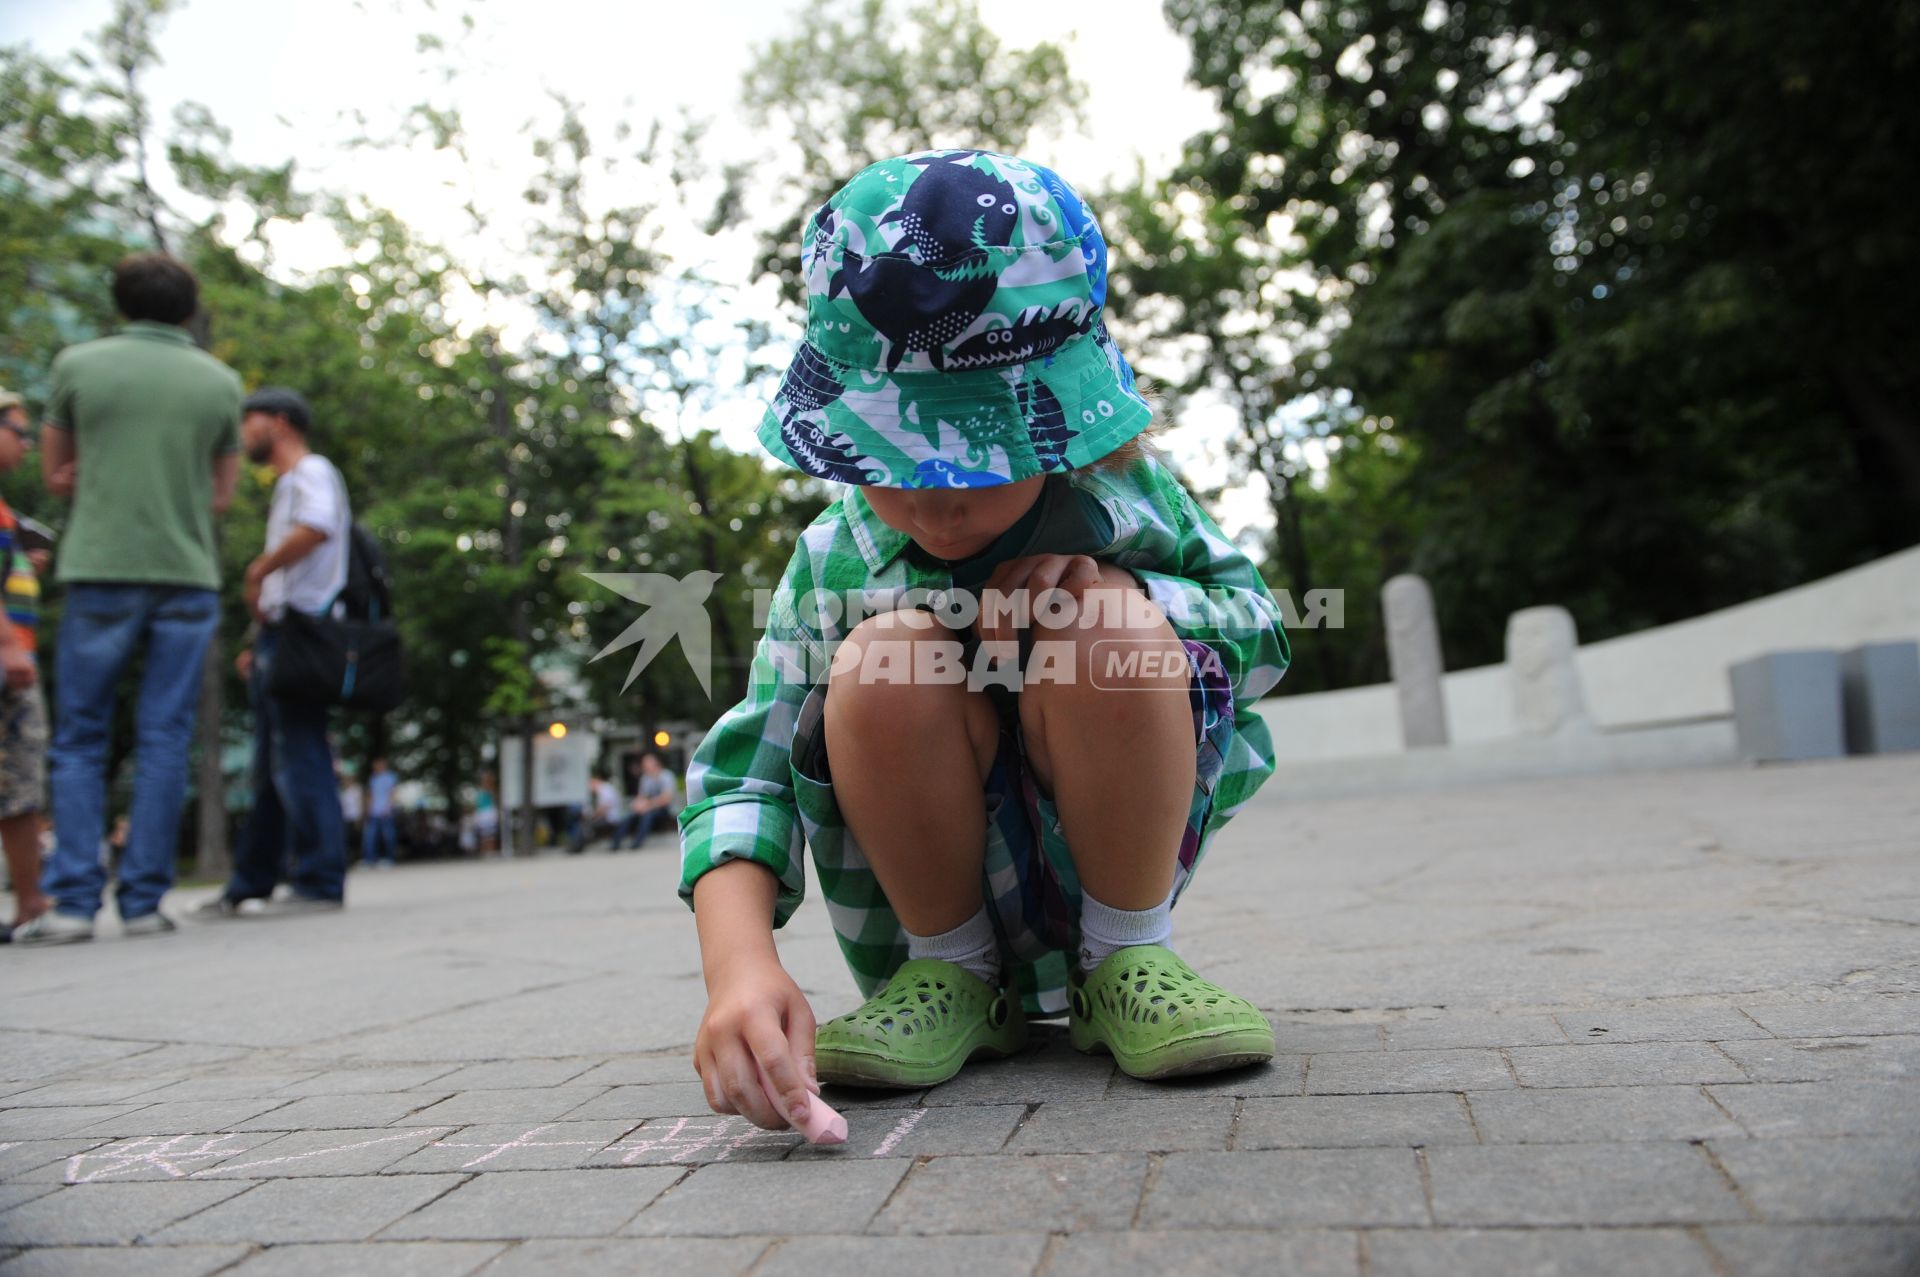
column 971, row 946
column 1104, row 930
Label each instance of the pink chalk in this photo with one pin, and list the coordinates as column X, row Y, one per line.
column 822, row 1126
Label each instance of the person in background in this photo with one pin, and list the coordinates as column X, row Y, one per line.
column 353, row 809
column 142, row 435
column 296, row 809
column 23, row 711
column 382, row 836
column 652, row 805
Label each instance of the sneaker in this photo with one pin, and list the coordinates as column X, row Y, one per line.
column 289, row 905
column 148, row 924
column 1158, row 1019
column 919, row 1030
column 53, row 927
column 217, row 909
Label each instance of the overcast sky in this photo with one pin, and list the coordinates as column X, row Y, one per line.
column 284, row 79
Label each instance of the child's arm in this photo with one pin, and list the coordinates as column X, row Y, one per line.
column 755, row 1012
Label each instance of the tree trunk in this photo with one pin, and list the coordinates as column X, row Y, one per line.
column 210, row 857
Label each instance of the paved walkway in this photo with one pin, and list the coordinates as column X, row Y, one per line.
column 1664, row 1024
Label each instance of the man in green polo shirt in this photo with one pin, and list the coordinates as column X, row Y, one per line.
column 142, row 434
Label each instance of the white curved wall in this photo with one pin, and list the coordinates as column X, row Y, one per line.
column 1671, row 674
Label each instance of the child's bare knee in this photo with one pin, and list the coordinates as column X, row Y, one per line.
column 892, row 664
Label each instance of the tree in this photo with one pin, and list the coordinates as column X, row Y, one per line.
column 1624, row 277
column 855, row 84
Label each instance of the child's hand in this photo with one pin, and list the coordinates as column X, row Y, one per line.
column 1076, row 574
column 757, row 1014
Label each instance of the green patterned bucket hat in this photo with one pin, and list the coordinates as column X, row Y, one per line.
column 954, row 331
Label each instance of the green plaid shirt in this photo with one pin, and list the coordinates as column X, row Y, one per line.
column 740, row 797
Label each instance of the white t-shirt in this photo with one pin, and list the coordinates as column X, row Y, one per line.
column 311, row 495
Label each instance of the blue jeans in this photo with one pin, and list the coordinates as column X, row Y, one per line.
column 636, row 826
column 101, row 629
column 296, row 804
column 380, row 830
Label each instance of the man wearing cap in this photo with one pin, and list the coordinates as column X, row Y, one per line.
column 296, row 804
column 142, row 435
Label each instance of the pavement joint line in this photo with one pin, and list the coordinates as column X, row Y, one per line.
column 1733, row 1185
column 898, row 1185
column 1363, row 1252
column 1506, row 1058
column 1715, row 1259
column 1473, row 1123
column 1706, row 1089
column 760, row 1260
column 1047, row 1252
column 1426, row 1182
column 1148, row 1183
column 1722, row 1052
column 1233, row 1123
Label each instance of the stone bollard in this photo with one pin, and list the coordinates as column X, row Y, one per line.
column 1786, row 706
column 1413, row 654
column 1547, row 697
column 1881, row 684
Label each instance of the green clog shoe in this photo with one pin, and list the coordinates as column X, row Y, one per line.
column 928, row 1021
column 1160, row 1020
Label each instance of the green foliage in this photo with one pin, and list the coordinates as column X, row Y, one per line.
column 1626, row 279
column 858, row 82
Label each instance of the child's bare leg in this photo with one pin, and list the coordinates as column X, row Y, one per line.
column 1116, row 751
column 908, row 763
column 21, row 836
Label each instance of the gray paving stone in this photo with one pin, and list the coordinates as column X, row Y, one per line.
column 981, row 1194
column 385, row 1078
column 1840, row 1017
column 375, row 1259
column 516, row 1146
column 142, row 1261
column 1317, row 1037
column 315, row 1209
column 1385, row 1072
column 639, row 1070
column 1846, row 1250
column 81, row 1092
column 157, row 1157
column 1054, row 1073
column 1127, row 1126
column 21, row 1191
column 1628, row 1064
column 1824, row 1181
column 303, row 1153
column 344, row 1112
column 652, row 1256
column 637, row 1103
column 108, row 1214
column 516, row 1204
column 1217, row 1253
column 1311, row 1187
column 1282, row 1075
column 22, row 1124
column 1599, row 1115
column 1568, row 1184
column 929, row 1257
column 955, row 1129
column 1658, row 1024
column 547, row 1104
column 1541, row 1252
column 31, row 1056
column 217, row 1084
column 1471, row 1030
column 1827, row 1059
column 190, row 1117
column 513, row 1075
column 696, row 1141
column 1353, row 1121
column 776, row 1199
column 28, row 1156
column 1770, row 1110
